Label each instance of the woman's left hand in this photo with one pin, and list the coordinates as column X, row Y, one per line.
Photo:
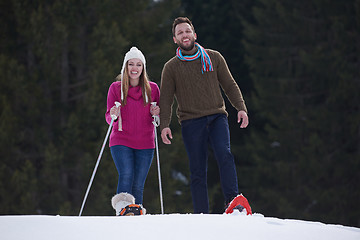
column 155, row 110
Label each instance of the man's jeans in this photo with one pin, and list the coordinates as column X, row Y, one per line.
column 133, row 166
column 197, row 134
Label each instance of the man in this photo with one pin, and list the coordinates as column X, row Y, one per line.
column 193, row 76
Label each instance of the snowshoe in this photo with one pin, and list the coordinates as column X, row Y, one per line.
column 131, row 210
column 239, row 203
column 124, row 205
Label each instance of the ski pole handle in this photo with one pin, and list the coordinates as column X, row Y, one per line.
column 156, row 121
column 117, row 105
column 154, row 105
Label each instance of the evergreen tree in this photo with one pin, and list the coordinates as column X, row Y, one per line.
column 57, row 61
column 302, row 59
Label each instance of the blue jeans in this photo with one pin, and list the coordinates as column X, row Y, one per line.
column 197, row 134
column 133, row 166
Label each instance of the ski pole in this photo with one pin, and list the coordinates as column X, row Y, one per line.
column 158, row 161
column 113, row 117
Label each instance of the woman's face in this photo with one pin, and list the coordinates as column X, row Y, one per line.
column 135, row 68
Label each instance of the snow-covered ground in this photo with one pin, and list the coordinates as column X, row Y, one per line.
column 169, row 227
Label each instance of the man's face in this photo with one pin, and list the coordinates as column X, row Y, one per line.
column 184, row 36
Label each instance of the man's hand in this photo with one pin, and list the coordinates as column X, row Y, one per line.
column 164, row 135
column 245, row 120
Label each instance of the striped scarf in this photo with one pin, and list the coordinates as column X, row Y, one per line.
column 206, row 65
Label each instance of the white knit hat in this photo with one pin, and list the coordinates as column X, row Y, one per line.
column 133, row 53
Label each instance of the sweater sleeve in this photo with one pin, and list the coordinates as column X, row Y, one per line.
column 167, row 91
column 155, row 93
column 229, row 85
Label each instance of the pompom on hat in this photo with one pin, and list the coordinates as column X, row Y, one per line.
column 134, row 52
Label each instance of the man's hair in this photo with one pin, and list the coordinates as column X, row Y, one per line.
column 181, row 20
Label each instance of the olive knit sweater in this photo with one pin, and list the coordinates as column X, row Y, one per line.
column 198, row 94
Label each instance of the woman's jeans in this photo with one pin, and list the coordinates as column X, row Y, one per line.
column 133, row 166
column 197, row 135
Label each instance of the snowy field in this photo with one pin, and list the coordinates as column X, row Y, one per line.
column 170, row 226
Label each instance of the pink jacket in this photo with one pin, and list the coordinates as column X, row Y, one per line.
column 138, row 129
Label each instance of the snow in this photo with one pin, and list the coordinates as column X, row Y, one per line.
column 170, row 226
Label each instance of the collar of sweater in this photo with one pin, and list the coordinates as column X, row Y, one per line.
column 135, row 92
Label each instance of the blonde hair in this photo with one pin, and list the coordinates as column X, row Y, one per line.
column 143, row 83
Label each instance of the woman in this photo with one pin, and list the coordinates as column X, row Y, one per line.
column 132, row 137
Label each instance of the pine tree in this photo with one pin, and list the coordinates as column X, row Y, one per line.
column 57, row 61
column 302, row 64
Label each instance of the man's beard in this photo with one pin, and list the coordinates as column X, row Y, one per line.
column 190, row 47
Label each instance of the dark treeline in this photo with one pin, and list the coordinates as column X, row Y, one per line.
column 297, row 63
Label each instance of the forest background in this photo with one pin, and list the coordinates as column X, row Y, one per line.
column 296, row 62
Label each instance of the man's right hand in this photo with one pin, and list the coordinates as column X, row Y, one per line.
column 164, row 135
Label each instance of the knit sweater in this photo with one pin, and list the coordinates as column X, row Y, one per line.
column 138, row 129
column 198, row 94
